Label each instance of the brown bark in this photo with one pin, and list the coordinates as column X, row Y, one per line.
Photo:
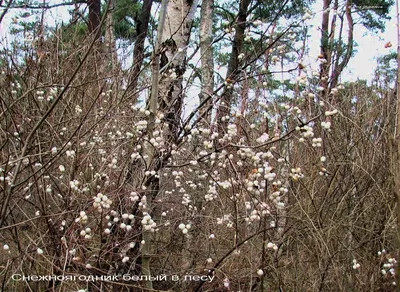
column 233, row 67
column 350, row 38
column 109, row 39
column 329, row 78
column 142, row 27
column 94, row 17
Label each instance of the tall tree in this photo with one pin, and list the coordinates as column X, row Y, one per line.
column 233, row 66
column 207, row 58
column 325, row 52
column 142, row 26
column 167, row 95
column 336, row 53
column 174, row 42
column 94, row 17
column 109, row 38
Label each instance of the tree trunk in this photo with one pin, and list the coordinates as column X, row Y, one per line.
column 325, row 66
column 142, row 27
column 166, row 96
column 175, row 39
column 349, row 50
column 207, row 58
column 233, row 72
column 94, row 17
column 329, row 78
column 149, row 152
column 109, row 39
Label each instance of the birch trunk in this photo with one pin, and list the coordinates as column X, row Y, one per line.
column 174, row 42
column 166, row 98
